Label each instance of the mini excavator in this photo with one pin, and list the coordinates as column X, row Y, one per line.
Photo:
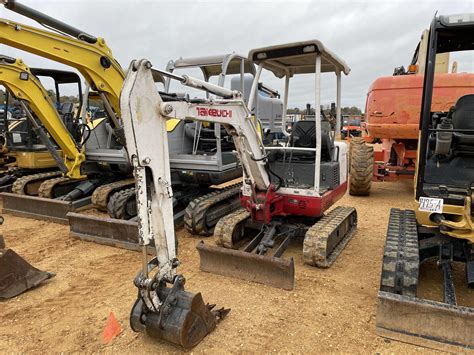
column 277, row 207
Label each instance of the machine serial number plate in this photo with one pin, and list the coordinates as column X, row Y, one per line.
column 428, row 204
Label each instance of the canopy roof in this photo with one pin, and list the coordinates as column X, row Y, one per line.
column 59, row 76
column 297, row 58
column 212, row 65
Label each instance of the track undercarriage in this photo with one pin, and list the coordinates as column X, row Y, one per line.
column 253, row 251
column 401, row 314
column 199, row 209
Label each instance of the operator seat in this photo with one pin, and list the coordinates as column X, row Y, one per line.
column 463, row 118
column 303, row 135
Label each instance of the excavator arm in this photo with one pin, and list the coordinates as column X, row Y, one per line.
column 18, row 79
column 145, row 113
column 89, row 55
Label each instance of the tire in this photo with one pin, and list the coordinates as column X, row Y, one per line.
column 361, row 167
column 122, row 204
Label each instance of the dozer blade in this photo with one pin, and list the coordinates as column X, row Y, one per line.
column 276, row 272
column 107, row 231
column 424, row 322
column 183, row 319
column 41, row 208
column 17, row 275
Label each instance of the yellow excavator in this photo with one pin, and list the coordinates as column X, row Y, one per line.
column 94, row 60
column 16, row 274
column 105, row 153
column 441, row 227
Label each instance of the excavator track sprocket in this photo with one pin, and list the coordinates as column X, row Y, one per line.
column 20, row 186
column 327, row 238
column 202, row 212
column 228, row 230
column 122, row 204
column 100, row 196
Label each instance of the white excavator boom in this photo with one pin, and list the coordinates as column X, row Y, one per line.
column 159, row 310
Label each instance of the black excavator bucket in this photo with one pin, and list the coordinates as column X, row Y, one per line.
column 182, row 319
column 171, row 313
column 17, row 275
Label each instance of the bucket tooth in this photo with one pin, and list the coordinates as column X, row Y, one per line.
column 276, row 272
column 18, row 276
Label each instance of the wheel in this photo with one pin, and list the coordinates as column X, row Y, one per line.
column 361, row 167
column 122, row 204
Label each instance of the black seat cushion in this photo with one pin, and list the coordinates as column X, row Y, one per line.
column 463, row 118
column 303, row 135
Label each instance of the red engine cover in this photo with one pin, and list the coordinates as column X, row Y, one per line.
column 272, row 204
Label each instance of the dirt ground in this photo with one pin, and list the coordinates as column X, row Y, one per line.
column 329, row 310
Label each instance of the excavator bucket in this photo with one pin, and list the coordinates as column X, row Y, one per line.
column 183, row 319
column 269, row 270
column 17, row 275
column 424, row 322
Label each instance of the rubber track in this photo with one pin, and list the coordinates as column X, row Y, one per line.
column 100, row 196
column 20, row 184
column 361, row 167
column 46, row 188
column 196, row 211
column 117, row 203
column 316, row 239
column 400, row 267
column 224, row 229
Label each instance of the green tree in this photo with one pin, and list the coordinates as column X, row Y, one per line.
column 353, row 110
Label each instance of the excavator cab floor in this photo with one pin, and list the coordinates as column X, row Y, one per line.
column 17, row 275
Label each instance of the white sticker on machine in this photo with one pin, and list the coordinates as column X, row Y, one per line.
column 246, row 190
column 429, row 204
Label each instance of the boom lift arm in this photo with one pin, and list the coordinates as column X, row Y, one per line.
column 89, row 55
column 16, row 76
column 145, row 114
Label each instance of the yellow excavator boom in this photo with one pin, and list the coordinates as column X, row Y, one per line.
column 93, row 60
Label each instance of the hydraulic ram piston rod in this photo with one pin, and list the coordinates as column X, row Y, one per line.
column 47, row 21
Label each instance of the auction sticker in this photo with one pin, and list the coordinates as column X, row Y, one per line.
column 429, row 204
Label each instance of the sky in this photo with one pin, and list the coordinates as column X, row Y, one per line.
column 373, row 37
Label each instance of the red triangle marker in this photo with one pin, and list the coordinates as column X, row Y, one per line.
column 112, row 329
